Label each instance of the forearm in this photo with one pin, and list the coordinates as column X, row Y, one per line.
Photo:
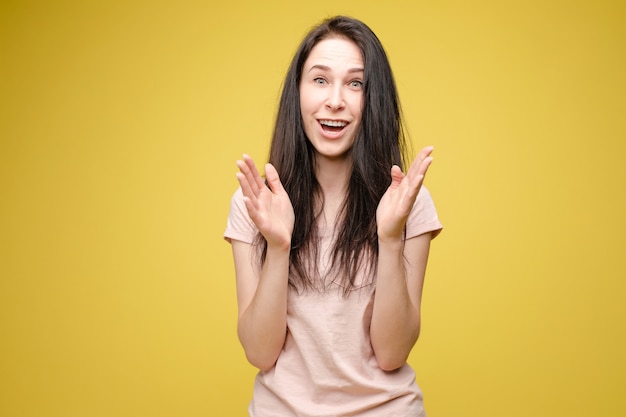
column 262, row 326
column 395, row 322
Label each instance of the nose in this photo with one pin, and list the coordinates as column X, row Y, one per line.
column 335, row 100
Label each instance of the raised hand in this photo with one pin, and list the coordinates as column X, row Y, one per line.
column 269, row 208
column 396, row 204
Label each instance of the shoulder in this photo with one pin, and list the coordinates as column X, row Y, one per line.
column 423, row 217
column 239, row 226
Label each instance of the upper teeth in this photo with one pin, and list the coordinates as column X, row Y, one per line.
column 333, row 123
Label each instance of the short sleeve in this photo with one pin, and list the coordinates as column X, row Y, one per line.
column 239, row 226
column 423, row 217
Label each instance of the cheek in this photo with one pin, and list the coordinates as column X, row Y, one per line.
column 312, row 98
column 305, row 102
column 357, row 114
column 356, row 106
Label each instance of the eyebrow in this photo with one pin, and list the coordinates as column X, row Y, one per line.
column 327, row 68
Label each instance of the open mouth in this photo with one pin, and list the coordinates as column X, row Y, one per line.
column 333, row 126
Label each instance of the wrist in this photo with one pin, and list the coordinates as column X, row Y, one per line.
column 390, row 242
column 390, row 235
column 279, row 247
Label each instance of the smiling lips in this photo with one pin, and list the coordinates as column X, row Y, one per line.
column 332, row 126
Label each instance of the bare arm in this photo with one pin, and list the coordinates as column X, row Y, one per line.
column 395, row 323
column 262, row 296
column 396, row 318
column 262, row 301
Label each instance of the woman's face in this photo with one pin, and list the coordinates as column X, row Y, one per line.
column 331, row 96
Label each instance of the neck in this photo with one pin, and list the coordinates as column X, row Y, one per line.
column 332, row 176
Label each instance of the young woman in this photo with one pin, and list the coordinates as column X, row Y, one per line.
column 330, row 250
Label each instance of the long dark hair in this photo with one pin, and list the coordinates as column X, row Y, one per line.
column 380, row 143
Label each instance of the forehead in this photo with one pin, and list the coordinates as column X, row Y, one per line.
column 335, row 53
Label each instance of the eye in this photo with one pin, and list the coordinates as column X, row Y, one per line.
column 356, row 84
column 319, row 80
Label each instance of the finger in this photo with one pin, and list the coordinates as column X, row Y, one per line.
column 416, row 179
column 248, row 185
column 421, row 162
column 252, row 209
column 249, row 197
column 248, row 172
column 412, row 187
column 273, row 179
column 396, row 177
column 256, row 176
column 424, row 165
column 426, row 151
column 417, row 172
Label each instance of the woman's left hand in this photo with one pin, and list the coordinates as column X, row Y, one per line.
column 397, row 202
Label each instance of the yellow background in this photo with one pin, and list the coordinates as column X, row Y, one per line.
column 120, row 124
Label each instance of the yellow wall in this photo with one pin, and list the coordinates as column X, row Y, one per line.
column 120, row 122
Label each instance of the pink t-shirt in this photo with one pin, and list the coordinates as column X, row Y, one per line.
column 327, row 367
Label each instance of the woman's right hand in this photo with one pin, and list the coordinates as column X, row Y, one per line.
column 269, row 208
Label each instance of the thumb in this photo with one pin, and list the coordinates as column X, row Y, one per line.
column 396, row 176
column 272, row 179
